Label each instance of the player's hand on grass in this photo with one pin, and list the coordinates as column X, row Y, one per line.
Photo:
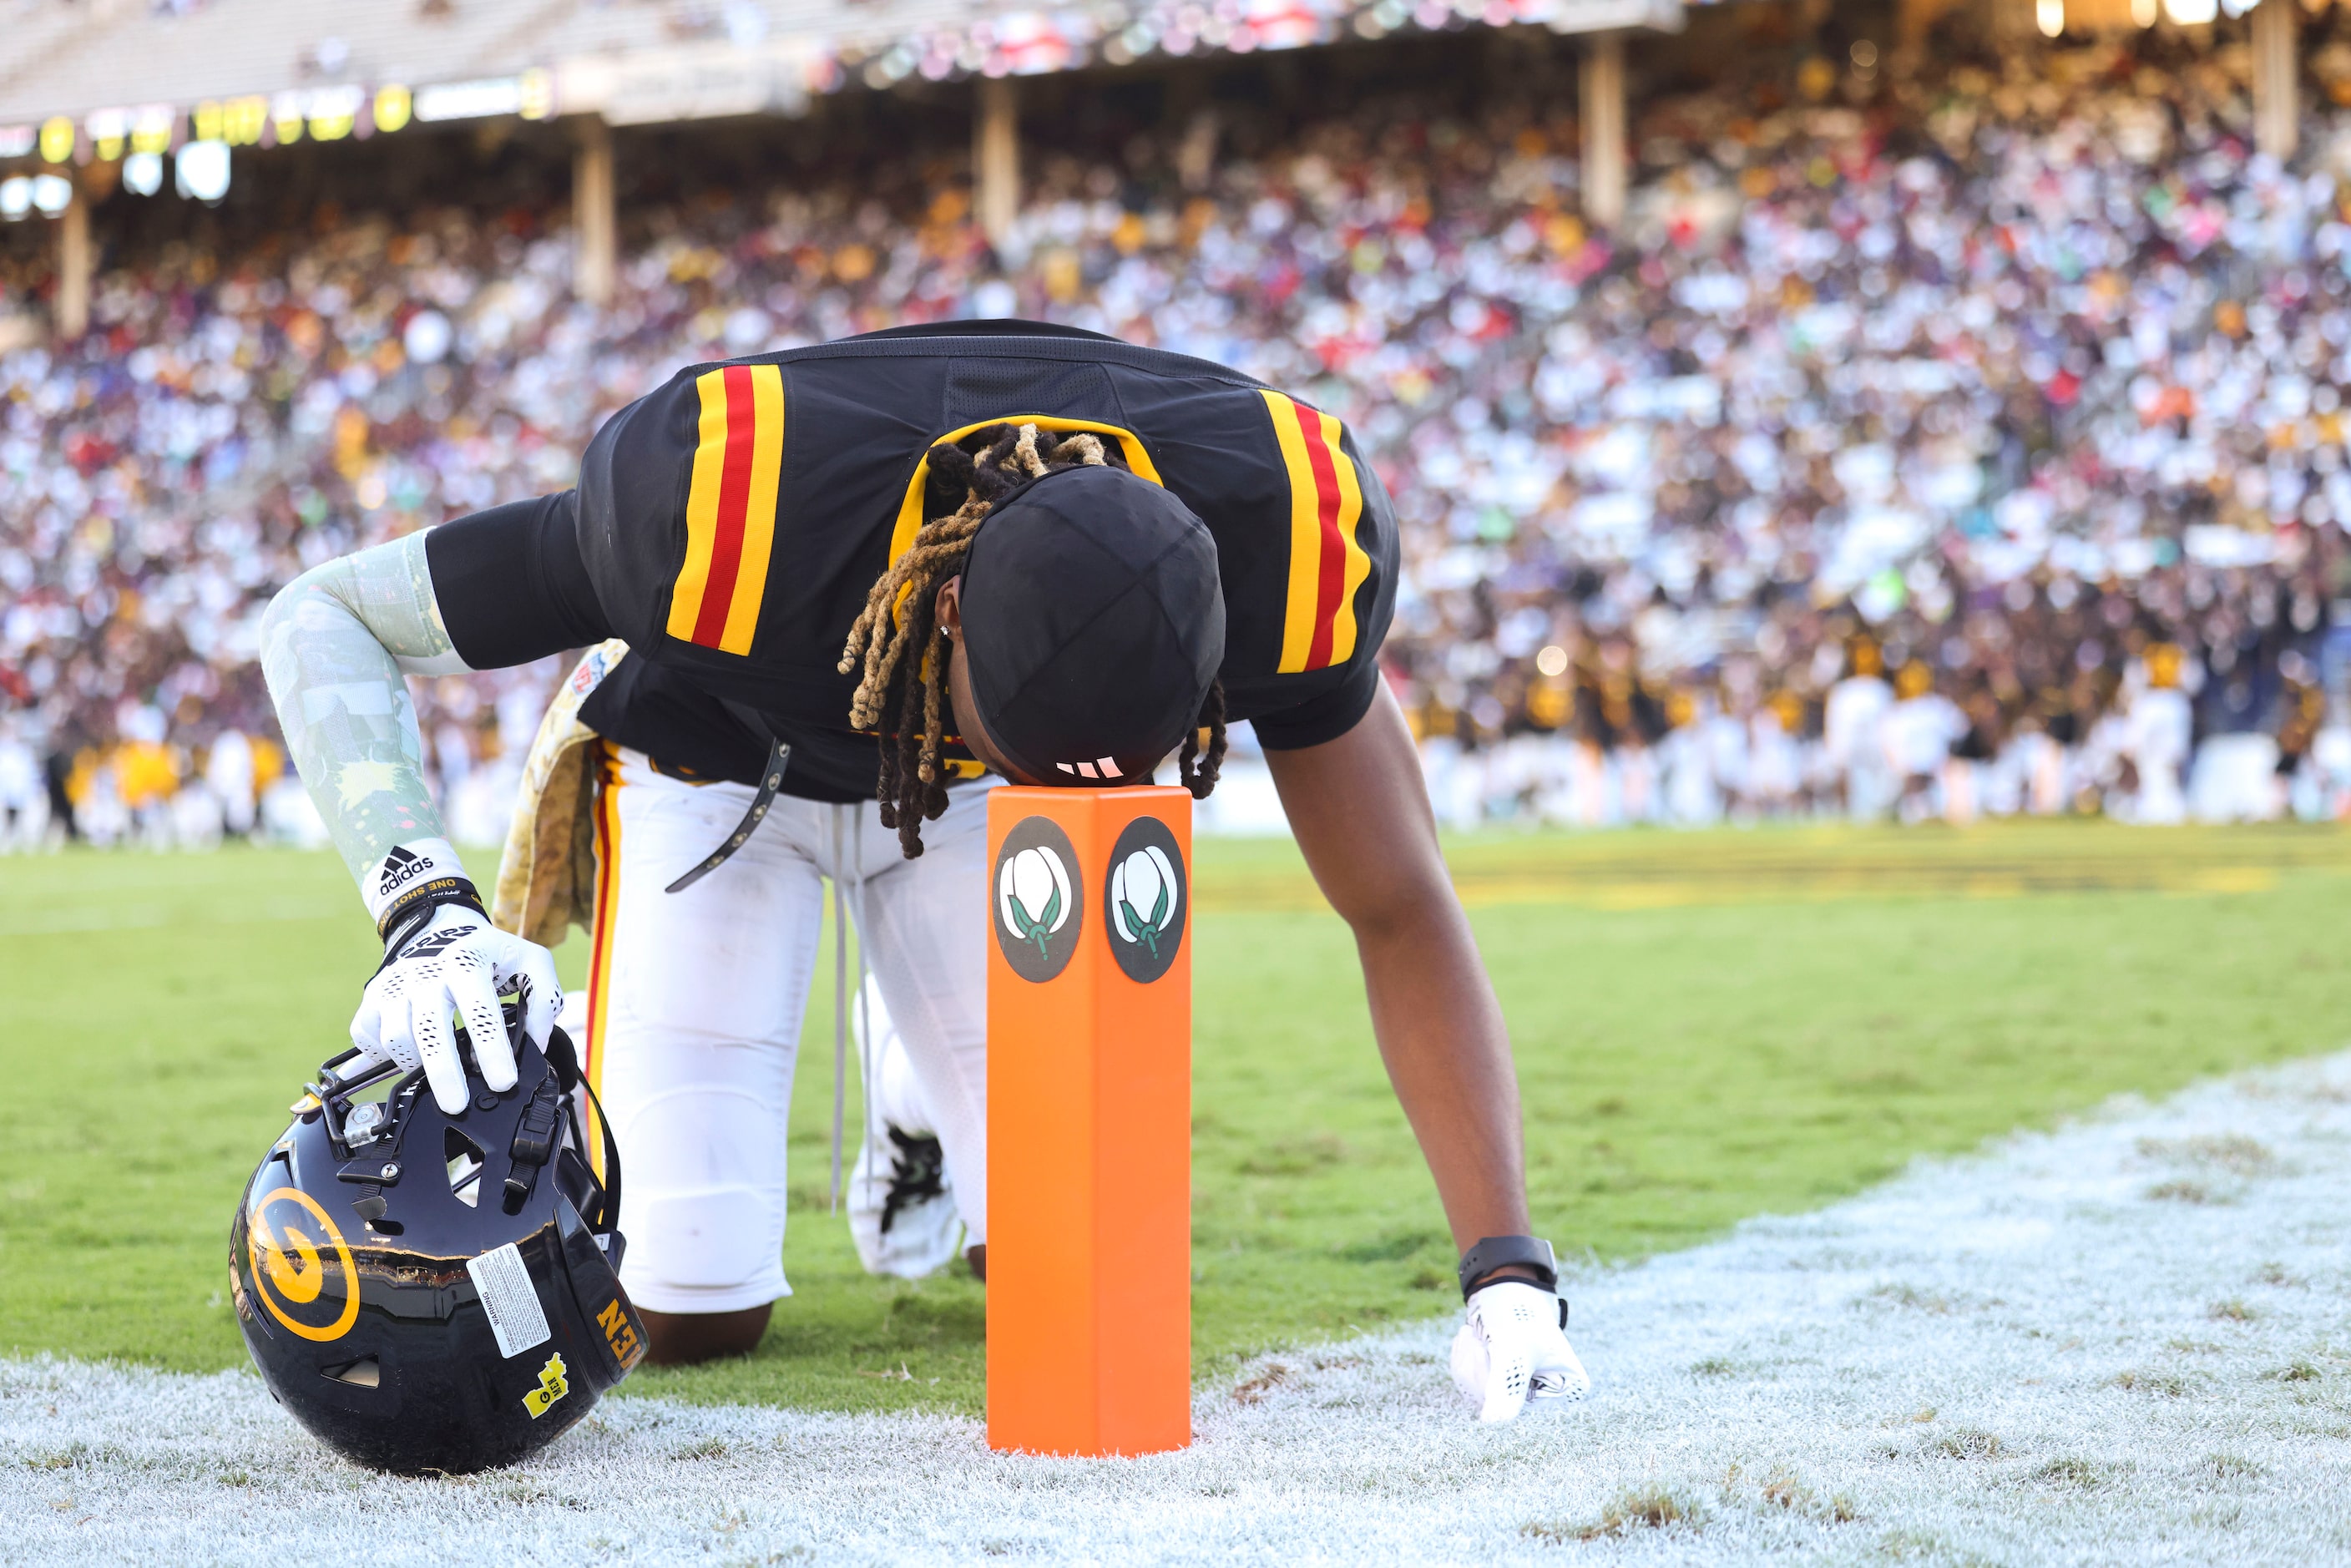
column 1512, row 1351
column 455, row 966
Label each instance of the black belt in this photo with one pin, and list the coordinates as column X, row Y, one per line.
column 771, row 778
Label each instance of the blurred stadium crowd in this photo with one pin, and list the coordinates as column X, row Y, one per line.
column 1966, row 439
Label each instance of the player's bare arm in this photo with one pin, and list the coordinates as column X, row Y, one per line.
column 1361, row 814
column 1361, row 817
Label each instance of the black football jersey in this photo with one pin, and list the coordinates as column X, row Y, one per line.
column 729, row 525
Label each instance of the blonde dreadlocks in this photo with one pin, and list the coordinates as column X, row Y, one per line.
column 900, row 652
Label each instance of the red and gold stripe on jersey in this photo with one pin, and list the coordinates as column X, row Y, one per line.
column 730, row 508
column 1327, row 564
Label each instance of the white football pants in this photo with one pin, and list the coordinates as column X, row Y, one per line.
column 694, row 1002
column 922, row 1234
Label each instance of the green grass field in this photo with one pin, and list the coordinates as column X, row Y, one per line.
column 1709, row 1026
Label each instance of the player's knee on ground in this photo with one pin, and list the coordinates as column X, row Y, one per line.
column 704, row 1219
column 680, row 1339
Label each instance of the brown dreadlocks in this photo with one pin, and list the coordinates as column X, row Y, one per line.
column 904, row 651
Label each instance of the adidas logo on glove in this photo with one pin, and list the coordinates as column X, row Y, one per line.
column 406, row 872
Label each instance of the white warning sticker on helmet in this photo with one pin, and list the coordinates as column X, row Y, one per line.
column 510, row 1299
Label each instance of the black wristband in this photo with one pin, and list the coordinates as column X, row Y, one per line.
column 404, row 915
column 1494, row 1253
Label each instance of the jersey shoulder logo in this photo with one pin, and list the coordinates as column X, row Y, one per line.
column 1039, row 899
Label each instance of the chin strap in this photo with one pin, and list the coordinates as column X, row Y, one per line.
column 566, row 1061
column 771, row 778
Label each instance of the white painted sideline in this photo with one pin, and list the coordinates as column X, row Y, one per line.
column 2127, row 1342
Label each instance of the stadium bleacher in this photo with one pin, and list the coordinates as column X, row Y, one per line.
column 1934, row 436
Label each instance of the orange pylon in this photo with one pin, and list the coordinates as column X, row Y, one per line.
column 1090, row 1120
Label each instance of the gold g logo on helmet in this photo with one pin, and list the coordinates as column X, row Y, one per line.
column 301, row 1266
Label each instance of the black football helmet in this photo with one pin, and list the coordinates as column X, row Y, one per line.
column 434, row 1292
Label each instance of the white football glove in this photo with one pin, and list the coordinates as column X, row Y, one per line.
column 455, row 966
column 1512, row 1351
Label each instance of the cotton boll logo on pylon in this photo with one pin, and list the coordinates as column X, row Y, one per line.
column 1035, row 892
column 1039, row 900
column 1144, row 899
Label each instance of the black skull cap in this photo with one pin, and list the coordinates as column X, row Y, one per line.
column 1093, row 620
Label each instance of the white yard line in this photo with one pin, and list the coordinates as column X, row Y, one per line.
column 2019, row 1357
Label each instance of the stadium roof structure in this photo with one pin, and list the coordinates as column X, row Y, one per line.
column 78, row 81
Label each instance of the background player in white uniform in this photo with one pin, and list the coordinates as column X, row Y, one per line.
column 24, row 793
column 1849, row 725
column 2158, row 728
column 1917, row 734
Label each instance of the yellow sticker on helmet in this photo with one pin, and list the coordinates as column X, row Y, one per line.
column 551, row 1387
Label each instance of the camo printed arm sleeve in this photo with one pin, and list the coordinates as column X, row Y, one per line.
column 334, row 644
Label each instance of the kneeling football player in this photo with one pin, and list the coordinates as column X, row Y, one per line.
column 835, row 595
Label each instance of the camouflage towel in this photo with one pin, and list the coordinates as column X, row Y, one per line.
column 547, row 878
